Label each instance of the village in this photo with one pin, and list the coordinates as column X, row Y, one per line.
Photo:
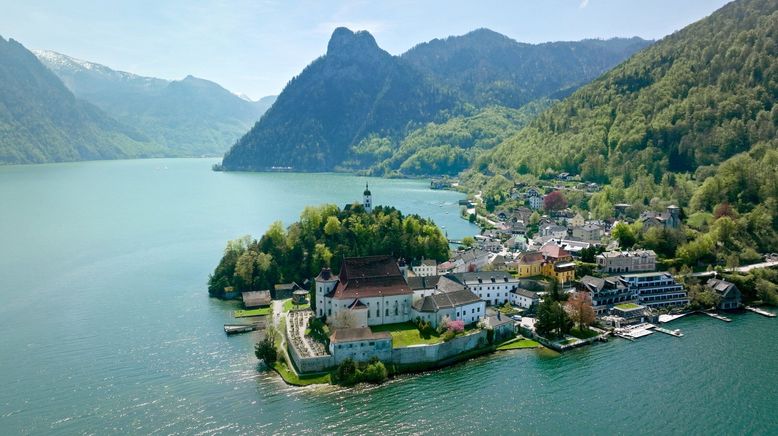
column 493, row 294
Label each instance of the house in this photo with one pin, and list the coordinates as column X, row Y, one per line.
column 375, row 282
column 620, row 209
column 670, row 219
column 282, row 291
column 553, row 230
column 606, row 292
column 530, row 264
column 656, row 289
column 728, row 292
column 256, row 299
column 626, row 261
column 503, row 326
column 451, row 300
column 425, row 267
column 577, row 220
column 491, row 286
column 516, row 243
column 518, row 228
column 557, row 263
column 360, row 344
column 535, row 202
column 588, row 232
column 469, row 260
column 523, row 298
column 423, row 286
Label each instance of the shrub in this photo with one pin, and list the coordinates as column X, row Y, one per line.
column 449, row 335
column 346, row 373
column 457, row 326
column 265, row 350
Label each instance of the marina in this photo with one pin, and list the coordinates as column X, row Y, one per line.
column 232, row 329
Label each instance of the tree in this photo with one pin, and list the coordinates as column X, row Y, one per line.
column 347, row 372
column 551, row 318
column 625, row 234
column 265, row 350
column 579, row 308
column 724, row 209
column 534, row 218
column 468, row 241
column 554, row 201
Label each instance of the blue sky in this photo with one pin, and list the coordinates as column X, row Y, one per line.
column 255, row 47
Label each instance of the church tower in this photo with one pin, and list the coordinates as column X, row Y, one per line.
column 367, row 199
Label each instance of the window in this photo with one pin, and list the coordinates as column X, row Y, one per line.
column 378, row 313
column 329, row 312
column 396, row 308
column 387, row 311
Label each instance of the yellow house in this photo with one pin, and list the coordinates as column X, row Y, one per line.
column 529, row 264
column 557, row 263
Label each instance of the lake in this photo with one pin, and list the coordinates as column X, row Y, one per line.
column 107, row 326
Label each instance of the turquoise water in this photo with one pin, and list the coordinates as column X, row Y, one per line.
column 107, row 327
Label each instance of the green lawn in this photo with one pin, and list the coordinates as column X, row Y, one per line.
column 289, row 305
column 518, row 344
column 263, row 311
column 627, row 306
column 583, row 334
column 405, row 334
column 293, row 379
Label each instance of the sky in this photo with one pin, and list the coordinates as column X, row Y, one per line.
column 255, row 47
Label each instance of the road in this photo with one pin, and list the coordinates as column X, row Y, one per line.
column 745, row 268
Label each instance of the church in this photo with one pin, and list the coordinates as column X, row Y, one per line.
column 372, row 289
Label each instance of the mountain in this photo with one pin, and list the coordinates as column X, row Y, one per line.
column 487, row 68
column 187, row 117
column 355, row 89
column 42, row 121
column 695, row 98
column 352, row 108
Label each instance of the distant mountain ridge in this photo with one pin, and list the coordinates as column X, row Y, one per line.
column 487, row 68
column 358, row 91
column 186, row 117
column 42, row 121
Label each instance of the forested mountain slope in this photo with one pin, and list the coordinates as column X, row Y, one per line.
column 41, row 120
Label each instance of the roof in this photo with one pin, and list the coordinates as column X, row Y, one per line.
column 482, row 277
column 596, row 284
column 288, row 286
column 357, row 304
column 470, row 255
column 326, row 275
column 530, row 257
column 721, row 287
column 525, row 293
column 357, row 334
column 367, row 190
column 492, row 321
column 646, row 274
column 427, row 282
column 449, row 283
column 446, row 300
column 429, row 262
column 634, row 253
column 554, row 251
column 256, row 298
column 369, row 276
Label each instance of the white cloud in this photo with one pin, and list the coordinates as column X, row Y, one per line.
column 584, row 3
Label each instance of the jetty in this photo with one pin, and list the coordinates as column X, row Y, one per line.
column 634, row 331
column 760, row 311
column 232, row 329
column 717, row 316
column 677, row 333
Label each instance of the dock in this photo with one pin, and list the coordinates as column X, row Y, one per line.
column 760, row 311
column 717, row 316
column 634, row 331
column 677, row 333
column 232, row 329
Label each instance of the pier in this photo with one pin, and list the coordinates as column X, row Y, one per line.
column 760, row 311
column 677, row 333
column 717, row 316
column 232, row 329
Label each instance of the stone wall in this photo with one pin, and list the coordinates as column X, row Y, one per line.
column 309, row 364
column 437, row 352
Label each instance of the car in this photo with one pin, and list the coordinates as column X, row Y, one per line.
column 516, row 317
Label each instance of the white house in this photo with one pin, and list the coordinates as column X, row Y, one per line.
column 425, row 268
column 451, row 300
column 524, row 298
column 535, row 202
column 493, row 287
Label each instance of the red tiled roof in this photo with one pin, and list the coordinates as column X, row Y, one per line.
column 551, row 250
column 370, row 276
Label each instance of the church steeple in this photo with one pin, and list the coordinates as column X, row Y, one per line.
column 367, row 199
